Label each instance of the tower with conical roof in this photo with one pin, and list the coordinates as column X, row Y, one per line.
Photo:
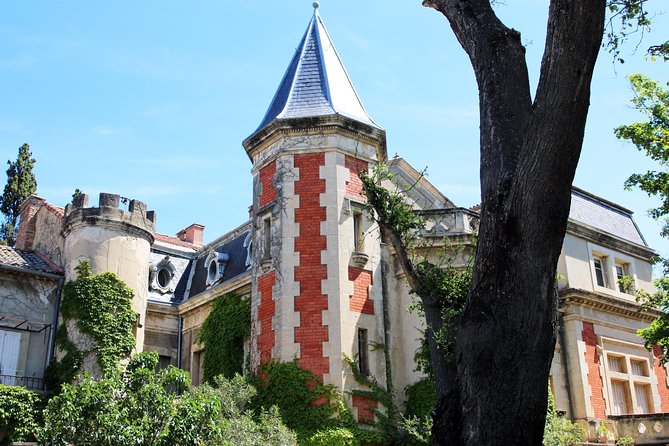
column 316, row 256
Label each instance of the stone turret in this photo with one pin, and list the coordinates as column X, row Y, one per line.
column 316, row 255
column 114, row 240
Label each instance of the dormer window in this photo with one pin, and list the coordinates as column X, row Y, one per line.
column 600, row 270
column 162, row 276
column 612, row 271
column 213, row 271
column 215, row 266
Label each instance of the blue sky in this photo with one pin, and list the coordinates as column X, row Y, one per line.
column 151, row 99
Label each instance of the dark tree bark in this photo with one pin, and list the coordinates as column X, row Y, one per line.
column 529, row 151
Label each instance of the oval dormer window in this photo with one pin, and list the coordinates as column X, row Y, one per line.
column 213, row 271
column 164, row 277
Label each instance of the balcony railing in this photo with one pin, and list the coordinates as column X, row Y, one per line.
column 449, row 222
column 29, row 382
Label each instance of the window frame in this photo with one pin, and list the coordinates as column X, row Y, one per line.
column 628, row 353
column 609, row 261
column 363, row 351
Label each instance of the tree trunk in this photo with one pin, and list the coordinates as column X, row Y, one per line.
column 529, row 152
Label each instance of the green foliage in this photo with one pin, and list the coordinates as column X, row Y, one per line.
column 625, row 441
column 386, row 426
column 390, row 208
column 20, row 185
column 223, row 333
column 450, row 286
column 19, row 415
column 339, row 436
column 558, row 430
column 102, row 308
column 421, row 398
column 306, row 406
column 418, row 431
column 651, row 137
column 142, row 406
column 632, row 18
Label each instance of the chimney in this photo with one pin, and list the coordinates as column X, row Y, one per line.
column 26, row 231
column 192, row 234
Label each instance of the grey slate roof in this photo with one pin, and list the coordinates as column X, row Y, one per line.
column 236, row 265
column 25, row 260
column 316, row 82
column 607, row 217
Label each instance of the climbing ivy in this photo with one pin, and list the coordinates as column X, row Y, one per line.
column 101, row 306
column 223, row 334
column 306, row 406
column 19, row 414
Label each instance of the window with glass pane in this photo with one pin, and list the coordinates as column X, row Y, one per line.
column 617, row 364
column 642, row 392
column 621, row 399
column 639, row 368
column 600, row 270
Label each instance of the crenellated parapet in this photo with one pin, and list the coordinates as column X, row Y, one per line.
column 136, row 220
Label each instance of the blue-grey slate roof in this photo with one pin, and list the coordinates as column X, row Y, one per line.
column 604, row 216
column 316, row 82
column 235, row 266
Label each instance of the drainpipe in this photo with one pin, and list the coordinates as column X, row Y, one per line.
column 180, row 336
column 386, row 325
column 54, row 327
column 565, row 361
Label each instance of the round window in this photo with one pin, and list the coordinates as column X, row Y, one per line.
column 213, row 270
column 164, row 277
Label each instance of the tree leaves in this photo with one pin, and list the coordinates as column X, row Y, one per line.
column 21, row 184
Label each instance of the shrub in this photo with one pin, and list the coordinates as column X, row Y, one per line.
column 558, row 430
column 333, row 437
column 18, row 414
column 306, row 406
column 142, row 406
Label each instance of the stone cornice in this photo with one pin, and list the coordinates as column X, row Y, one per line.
column 575, row 296
column 618, row 244
column 319, row 125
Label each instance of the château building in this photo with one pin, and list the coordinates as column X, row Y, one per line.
column 320, row 281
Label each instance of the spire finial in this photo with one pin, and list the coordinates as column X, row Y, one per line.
column 315, row 5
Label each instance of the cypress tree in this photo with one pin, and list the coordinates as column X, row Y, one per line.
column 20, row 185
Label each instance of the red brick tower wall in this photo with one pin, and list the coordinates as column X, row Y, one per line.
column 267, row 308
column 364, row 406
column 267, row 189
column 312, row 332
column 266, row 311
column 354, row 184
column 661, row 374
column 594, row 375
column 360, row 301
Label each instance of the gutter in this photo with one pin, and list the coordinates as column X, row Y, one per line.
column 179, row 337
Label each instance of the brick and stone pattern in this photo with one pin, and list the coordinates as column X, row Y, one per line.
column 266, row 338
column 661, row 374
column 362, row 279
column 364, row 406
column 594, row 371
column 310, row 243
column 267, row 189
column 354, row 184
